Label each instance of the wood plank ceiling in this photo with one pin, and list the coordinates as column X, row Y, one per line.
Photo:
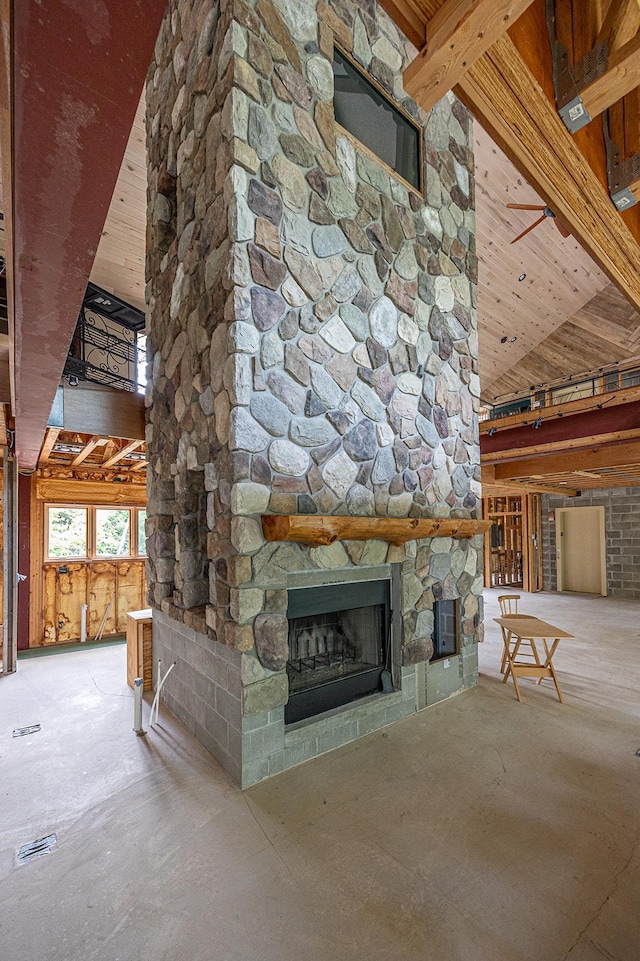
column 119, row 263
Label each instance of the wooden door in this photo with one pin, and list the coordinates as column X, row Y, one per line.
column 580, row 550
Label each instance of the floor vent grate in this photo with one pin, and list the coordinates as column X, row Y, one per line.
column 21, row 731
column 35, row 849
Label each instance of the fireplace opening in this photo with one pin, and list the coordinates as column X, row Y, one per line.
column 445, row 629
column 339, row 645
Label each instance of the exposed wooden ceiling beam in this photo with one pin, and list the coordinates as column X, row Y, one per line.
column 49, row 441
column 619, row 456
column 621, row 77
column 491, row 488
column 121, row 454
column 458, row 34
column 621, row 23
column 502, row 92
column 578, row 443
column 505, row 97
column 409, row 16
column 95, row 441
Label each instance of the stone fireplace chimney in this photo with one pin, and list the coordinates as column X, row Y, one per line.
column 313, row 351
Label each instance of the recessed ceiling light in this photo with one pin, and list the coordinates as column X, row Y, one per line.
column 512, row 340
column 503, row 340
column 522, row 277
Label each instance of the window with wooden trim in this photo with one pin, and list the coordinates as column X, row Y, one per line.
column 365, row 111
column 89, row 533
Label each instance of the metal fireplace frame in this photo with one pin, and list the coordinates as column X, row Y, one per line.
column 320, row 599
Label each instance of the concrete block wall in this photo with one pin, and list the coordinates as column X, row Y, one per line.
column 622, row 529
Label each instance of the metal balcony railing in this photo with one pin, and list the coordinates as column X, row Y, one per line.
column 607, row 380
column 109, row 343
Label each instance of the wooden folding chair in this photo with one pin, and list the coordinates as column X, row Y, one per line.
column 509, row 608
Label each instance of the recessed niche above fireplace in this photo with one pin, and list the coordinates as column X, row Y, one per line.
column 339, row 646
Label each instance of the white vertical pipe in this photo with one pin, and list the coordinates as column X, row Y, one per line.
column 83, row 623
column 137, row 707
column 156, row 700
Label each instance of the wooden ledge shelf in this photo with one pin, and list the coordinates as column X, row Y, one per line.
column 319, row 529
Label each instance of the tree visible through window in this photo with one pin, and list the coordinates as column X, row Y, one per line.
column 112, row 532
column 142, row 537
column 67, row 532
column 95, row 531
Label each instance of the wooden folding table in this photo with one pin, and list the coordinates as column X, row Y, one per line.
column 515, row 630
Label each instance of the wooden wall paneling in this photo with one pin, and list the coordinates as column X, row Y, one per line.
column 131, row 590
column 71, row 593
column 103, row 587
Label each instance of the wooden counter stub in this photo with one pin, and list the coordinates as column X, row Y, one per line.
column 319, row 529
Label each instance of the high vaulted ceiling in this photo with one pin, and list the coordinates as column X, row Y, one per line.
column 567, row 317
column 497, row 56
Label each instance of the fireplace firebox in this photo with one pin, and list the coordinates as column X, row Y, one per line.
column 339, row 645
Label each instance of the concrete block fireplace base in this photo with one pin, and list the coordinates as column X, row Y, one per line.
column 204, row 692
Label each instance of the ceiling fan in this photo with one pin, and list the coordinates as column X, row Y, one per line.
column 546, row 212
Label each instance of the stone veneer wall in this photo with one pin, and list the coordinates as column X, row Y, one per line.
column 621, row 510
column 313, row 348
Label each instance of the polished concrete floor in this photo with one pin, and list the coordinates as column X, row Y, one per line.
column 478, row 830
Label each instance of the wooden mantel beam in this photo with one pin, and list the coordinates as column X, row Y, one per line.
column 319, row 529
column 458, row 34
